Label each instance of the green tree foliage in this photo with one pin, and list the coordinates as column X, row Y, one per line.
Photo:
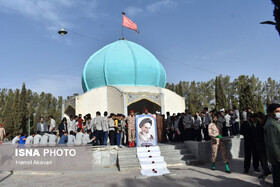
column 16, row 114
column 22, row 108
column 219, row 94
column 19, row 106
column 7, row 114
column 222, row 92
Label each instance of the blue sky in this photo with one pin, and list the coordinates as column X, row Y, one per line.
column 193, row 39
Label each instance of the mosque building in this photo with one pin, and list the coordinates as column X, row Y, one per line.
column 120, row 77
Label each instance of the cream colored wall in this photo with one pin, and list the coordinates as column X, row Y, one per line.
column 115, row 101
column 111, row 99
column 173, row 103
column 92, row 101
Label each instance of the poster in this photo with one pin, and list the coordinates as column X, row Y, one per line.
column 146, row 130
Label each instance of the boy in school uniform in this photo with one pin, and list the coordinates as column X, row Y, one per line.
column 63, row 139
column 44, row 140
column 29, row 140
column 71, row 139
column 37, row 139
column 16, row 139
column 52, row 139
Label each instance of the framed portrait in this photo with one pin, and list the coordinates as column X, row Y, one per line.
column 146, row 130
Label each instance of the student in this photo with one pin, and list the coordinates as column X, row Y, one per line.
column 22, row 139
column 79, row 137
column 52, row 124
column 63, row 139
column 112, row 133
column 16, row 139
column 71, row 139
column 97, row 126
column 62, row 127
column 105, row 127
column 71, row 126
column 44, row 140
column 52, row 139
column 29, row 140
column 86, row 138
column 118, row 129
column 37, row 139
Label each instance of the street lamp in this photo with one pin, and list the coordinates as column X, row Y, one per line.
column 62, row 32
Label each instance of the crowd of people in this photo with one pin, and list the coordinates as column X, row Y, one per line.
column 78, row 131
column 186, row 126
column 261, row 133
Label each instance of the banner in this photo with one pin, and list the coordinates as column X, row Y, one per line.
column 146, row 130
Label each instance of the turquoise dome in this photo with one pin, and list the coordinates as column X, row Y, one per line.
column 123, row 63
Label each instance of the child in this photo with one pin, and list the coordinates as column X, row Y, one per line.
column 71, row 139
column 86, row 138
column 79, row 137
column 44, row 140
column 37, row 139
column 52, row 139
column 29, row 140
column 22, row 139
column 63, row 139
column 16, row 139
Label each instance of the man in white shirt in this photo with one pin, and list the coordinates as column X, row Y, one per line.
column 16, row 139
column 52, row 124
column 79, row 137
column 52, row 139
column 86, row 138
column 197, row 127
column 105, row 128
column 235, row 126
column 188, row 123
column 29, row 140
column 228, row 124
column 98, row 131
column 71, row 139
column 44, row 140
column 71, row 124
column 37, row 139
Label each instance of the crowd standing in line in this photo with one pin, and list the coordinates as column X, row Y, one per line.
column 261, row 133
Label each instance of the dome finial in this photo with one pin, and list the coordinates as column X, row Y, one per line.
column 122, row 38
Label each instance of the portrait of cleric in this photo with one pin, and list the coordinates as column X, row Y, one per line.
column 146, row 130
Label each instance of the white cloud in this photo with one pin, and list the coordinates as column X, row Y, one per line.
column 51, row 13
column 132, row 11
column 155, row 7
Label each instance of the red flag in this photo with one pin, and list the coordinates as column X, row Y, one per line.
column 129, row 24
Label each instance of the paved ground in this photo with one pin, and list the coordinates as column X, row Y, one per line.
column 193, row 176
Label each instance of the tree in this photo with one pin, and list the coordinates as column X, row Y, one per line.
column 16, row 114
column 8, row 118
column 260, row 107
column 180, row 89
column 219, row 94
column 22, row 108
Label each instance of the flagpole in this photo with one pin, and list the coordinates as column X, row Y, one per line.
column 123, row 13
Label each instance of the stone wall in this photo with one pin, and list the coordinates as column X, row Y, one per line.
column 104, row 156
column 203, row 150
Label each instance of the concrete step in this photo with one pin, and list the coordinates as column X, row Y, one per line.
column 176, row 151
column 172, row 146
column 127, row 156
column 130, row 167
column 193, row 162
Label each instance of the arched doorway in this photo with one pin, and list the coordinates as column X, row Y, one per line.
column 140, row 106
column 70, row 111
